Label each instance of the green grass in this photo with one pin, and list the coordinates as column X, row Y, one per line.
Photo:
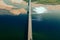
column 53, row 2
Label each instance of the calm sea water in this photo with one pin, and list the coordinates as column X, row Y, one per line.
column 48, row 28
column 13, row 27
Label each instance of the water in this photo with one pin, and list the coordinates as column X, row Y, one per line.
column 48, row 28
column 13, row 27
column 18, row 6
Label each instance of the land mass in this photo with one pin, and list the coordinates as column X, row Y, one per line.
column 49, row 7
column 18, row 11
column 10, row 8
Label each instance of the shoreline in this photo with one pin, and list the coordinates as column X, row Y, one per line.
column 49, row 7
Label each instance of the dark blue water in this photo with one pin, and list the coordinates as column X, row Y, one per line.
column 13, row 27
column 47, row 29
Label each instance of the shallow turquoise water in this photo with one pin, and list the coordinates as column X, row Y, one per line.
column 8, row 2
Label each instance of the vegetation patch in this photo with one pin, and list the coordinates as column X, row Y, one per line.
column 53, row 2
